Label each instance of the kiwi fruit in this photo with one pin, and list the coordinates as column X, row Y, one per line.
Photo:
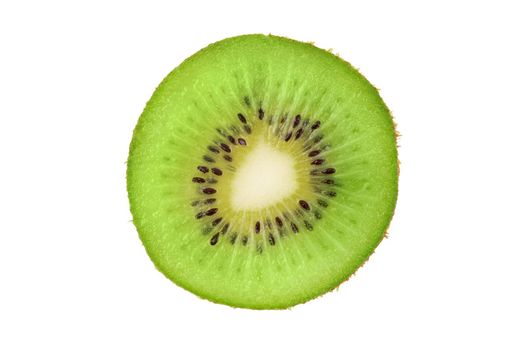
column 263, row 172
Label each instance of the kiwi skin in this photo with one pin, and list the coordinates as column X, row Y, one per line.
column 141, row 222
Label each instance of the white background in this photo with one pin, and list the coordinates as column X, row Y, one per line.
column 75, row 77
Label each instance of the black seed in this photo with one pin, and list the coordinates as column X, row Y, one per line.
column 316, row 125
column 200, row 215
column 271, row 239
column 216, row 171
column 198, row 180
column 244, row 240
column 225, row 147
column 304, row 205
column 328, row 181
column 328, row 171
column 194, row 203
column 210, row 200
column 282, row 120
column 318, row 215
column 242, row 141
column 314, row 153
column 322, row 203
column 209, row 159
column 330, row 193
column 308, row 225
column 288, row 136
column 211, row 211
column 242, row 118
column 203, row 169
column 247, row 129
column 257, row 227
column 318, row 161
column 299, row 133
column 228, row 158
column 261, row 114
column 213, row 149
column 216, row 222
column 209, row 190
column 231, row 139
column 214, row 239
column 225, row 228
column 233, row 238
column 247, row 101
column 296, row 121
column 294, row 227
column 278, row 221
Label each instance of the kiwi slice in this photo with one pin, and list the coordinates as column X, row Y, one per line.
column 263, row 172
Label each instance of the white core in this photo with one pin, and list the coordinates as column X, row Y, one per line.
column 265, row 177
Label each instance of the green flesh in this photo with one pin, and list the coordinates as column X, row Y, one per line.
column 284, row 78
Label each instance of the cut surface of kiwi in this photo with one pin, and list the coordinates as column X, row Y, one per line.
column 263, row 172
